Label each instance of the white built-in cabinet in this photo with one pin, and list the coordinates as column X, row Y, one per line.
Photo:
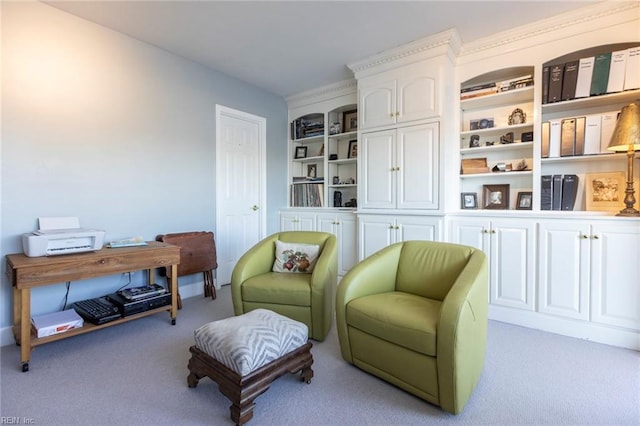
column 399, row 96
column 509, row 246
column 377, row 231
column 399, row 168
column 344, row 227
column 589, row 271
column 293, row 220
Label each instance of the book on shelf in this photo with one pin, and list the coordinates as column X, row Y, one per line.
column 556, row 200
column 609, row 120
column 544, row 139
column 555, row 134
column 477, row 93
column 579, row 139
column 632, row 73
column 545, row 84
column 555, row 82
column 568, row 137
column 600, row 77
column 307, row 195
column 592, row 134
column 569, row 80
column 515, row 83
column 546, row 192
column 478, row 87
column 617, row 71
column 585, row 72
column 569, row 192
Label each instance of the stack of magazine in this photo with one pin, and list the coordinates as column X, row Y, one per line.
column 137, row 293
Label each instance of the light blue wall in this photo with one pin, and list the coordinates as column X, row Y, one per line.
column 98, row 125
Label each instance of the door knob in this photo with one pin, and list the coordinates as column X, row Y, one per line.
column 254, row 208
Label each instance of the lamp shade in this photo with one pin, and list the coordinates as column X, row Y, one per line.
column 626, row 135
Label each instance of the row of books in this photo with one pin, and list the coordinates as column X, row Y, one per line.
column 306, row 128
column 495, row 87
column 586, row 135
column 558, row 192
column 307, row 195
column 609, row 72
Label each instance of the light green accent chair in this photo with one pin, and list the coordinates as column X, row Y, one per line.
column 415, row 315
column 308, row 298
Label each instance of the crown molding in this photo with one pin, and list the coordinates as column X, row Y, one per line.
column 446, row 42
column 341, row 88
column 580, row 17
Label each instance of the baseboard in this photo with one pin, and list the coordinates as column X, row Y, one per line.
column 186, row 291
column 567, row 327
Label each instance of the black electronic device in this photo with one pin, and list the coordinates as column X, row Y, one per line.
column 98, row 311
column 132, row 307
column 143, row 292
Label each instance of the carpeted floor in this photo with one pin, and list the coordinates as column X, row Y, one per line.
column 135, row 374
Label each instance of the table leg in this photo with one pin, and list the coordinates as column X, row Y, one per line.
column 25, row 327
column 174, row 292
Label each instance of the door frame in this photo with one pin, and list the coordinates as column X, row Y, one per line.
column 262, row 173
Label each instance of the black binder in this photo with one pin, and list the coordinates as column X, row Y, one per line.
column 545, row 84
column 546, row 192
column 556, row 200
column 569, row 191
column 569, row 80
column 555, row 82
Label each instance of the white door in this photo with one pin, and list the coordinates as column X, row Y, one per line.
column 240, row 186
column 416, row 167
column 378, row 176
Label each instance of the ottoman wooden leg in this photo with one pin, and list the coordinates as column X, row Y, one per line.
column 242, row 391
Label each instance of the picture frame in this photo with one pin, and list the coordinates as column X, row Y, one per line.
column 495, row 197
column 605, row 191
column 524, row 201
column 350, row 120
column 468, row 200
column 353, row 149
column 301, row 152
column 312, row 171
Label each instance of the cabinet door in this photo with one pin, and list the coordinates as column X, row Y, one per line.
column 512, row 263
column 417, row 93
column 378, row 177
column 374, row 233
column 297, row 221
column 418, row 228
column 563, row 274
column 377, row 101
column 343, row 226
column 615, row 274
column 417, row 168
column 471, row 232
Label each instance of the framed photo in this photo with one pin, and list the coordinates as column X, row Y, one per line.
column 468, row 200
column 496, row 196
column 311, row 171
column 524, row 201
column 301, row 152
column 605, row 191
column 350, row 120
column 353, row 149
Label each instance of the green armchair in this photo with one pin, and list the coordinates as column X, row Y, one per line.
column 304, row 297
column 415, row 315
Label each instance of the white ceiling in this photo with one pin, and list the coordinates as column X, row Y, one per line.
column 287, row 47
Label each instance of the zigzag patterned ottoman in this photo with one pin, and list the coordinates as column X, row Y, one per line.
column 244, row 354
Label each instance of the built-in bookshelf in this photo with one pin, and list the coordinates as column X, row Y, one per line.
column 323, row 165
column 496, row 138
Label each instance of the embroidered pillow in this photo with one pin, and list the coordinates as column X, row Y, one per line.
column 295, row 257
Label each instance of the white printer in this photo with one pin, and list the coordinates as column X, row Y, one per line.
column 61, row 235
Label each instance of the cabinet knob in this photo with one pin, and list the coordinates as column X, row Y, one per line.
column 584, row 237
column 390, row 226
column 391, row 115
column 595, row 237
column 336, row 223
column 493, row 231
column 397, row 113
column 484, row 231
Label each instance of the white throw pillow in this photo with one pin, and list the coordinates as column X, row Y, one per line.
column 295, row 257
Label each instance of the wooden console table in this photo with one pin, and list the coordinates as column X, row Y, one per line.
column 25, row 273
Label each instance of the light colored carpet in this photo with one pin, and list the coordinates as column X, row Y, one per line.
column 135, row 374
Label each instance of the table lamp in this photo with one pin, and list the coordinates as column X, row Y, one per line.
column 626, row 138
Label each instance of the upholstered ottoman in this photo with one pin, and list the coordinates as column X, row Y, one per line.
column 244, row 354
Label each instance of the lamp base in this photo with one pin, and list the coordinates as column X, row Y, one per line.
column 629, row 212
